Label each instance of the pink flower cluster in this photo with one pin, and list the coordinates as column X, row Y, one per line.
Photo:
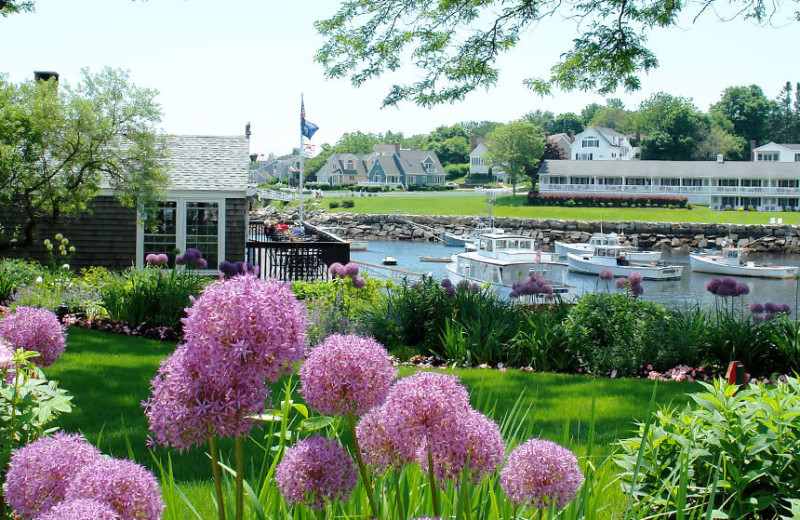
column 192, row 258
column 428, row 414
column 240, row 332
column 346, row 374
column 314, row 471
column 349, row 270
column 541, row 473
column 65, row 477
column 35, row 330
column 155, row 260
column 680, row 373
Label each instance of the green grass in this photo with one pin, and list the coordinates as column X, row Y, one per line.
column 509, row 206
column 109, row 375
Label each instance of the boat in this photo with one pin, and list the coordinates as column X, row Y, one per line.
column 440, row 259
column 730, row 261
column 503, row 260
column 465, row 239
column 389, row 260
column 616, row 260
column 604, row 239
column 357, row 245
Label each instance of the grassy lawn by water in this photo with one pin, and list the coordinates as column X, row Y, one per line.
column 510, row 206
column 109, row 375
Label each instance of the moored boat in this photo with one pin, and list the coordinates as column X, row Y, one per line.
column 604, row 239
column 730, row 262
column 503, row 260
column 616, row 260
column 389, row 260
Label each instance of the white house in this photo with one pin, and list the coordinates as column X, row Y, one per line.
column 766, row 186
column 774, row 152
column 598, row 143
column 477, row 161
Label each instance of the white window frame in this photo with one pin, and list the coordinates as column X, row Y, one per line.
column 180, row 229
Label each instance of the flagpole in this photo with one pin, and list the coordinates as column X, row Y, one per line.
column 301, row 167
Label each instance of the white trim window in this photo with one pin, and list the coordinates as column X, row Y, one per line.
column 590, row 142
column 183, row 223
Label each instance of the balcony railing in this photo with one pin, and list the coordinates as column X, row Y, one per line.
column 668, row 190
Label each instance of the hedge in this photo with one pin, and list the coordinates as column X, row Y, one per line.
column 605, row 201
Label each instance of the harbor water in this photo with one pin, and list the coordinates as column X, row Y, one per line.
column 690, row 290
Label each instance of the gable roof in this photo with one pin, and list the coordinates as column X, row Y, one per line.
column 208, row 163
column 607, row 134
column 336, row 161
column 785, row 146
column 388, row 164
column 411, row 161
column 689, row 169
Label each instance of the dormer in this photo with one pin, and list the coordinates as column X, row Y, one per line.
column 428, row 166
column 350, row 163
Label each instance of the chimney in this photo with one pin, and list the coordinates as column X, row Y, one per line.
column 720, row 158
column 752, row 149
column 572, row 136
column 253, row 157
column 396, row 147
column 473, row 142
column 247, row 132
column 43, row 75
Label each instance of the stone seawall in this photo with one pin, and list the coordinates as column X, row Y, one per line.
column 645, row 235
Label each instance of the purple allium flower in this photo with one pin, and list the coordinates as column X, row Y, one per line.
column 712, row 285
column 637, row 289
column 247, row 323
column 314, row 471
column 228, row 269
column 180, row 260
column 725, row 290
column 741, row 289
column 513, row 294
column 192, row 255
column 81, row 509
column 486, row 445
column 757, row 308
column 162, row 259
column 202, row 263
column 359, row 283
column 772, row 307
column 336, row 269
column 541, row 473
column 6, row 355
column 635, row 277
column 463, row 284
column 129, row 488
column 150, row 259
column 606, row 274
column 446, row 283
column 35, row 330
column 786, row 308
column 620, row 283
column 730, row 283
column 346, row 374
column 40, row 472
column 473, row 287
column 351, row 269
column 450, row 291
column 378, row 449
column 425, row 413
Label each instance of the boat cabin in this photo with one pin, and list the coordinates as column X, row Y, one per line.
column 507, row 247
column 613, row 252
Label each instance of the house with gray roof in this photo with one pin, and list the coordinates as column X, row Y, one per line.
column 205, row 207
column 774, row 152
column 766, row 186
column 345, row 168
column 598, row 143
column 406, row 167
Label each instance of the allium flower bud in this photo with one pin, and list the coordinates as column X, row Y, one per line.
column 606, row 274
column 379, row 450
column 359, row 283
column 635, row 277
column 346, row 374
column 336, row 269
column 541, row 473
column 129, row 488
column 620, row 283
column 40, row 472
column 712, row 285
column 35, row 330
column 446, row 283
column 81, row 509
column 314, row 471
column 351, row 269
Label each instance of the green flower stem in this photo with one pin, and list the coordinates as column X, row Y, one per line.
column 398, row 495
column 239, row 447
column 432, row 478
column 212, row 444
column 361, row 467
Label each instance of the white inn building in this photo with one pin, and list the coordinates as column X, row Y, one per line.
column 764, row 185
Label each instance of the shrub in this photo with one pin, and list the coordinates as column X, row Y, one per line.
column 454, row 171
column 556, row 199
column 348, row 203
column 333, row 205
column 15, row 274
column 735, row 449
column 612, row 332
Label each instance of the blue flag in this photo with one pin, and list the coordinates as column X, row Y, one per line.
column 307, row 128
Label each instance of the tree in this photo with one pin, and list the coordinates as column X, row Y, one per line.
column 748, row 110
column 611, row 117
column 542, row 119
column 785, row 119
column 59, row 145
column 8, row 7
column 588, row 112
column 451, row 144
column 566, row 123
column 479, row 128
column 671, row 127
column 516, row 148
column 455, row 44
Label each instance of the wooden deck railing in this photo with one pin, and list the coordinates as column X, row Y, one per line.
column 289, row 259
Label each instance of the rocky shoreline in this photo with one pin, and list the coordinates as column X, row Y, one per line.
column 778, row 239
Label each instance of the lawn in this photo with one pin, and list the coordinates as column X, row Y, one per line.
column 510, row 206
column 109, row 375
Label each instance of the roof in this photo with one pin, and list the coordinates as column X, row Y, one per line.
column 700, row 169
column 606, row 133
column 208, row 163
column 336, row 162
column 787, row 146
column 411, row 161
column 388, row 164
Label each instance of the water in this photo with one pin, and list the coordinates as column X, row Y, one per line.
column 687, row 291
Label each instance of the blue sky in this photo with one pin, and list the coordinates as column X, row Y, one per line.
column 218, row 65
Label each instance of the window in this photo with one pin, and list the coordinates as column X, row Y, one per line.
column 350, row 165
column 787, row 203
column 557, row 180
column 610, row 181
column 427, row 166
column 693, row 182
column 728, row 182
column 583, row 157
column 751, row 183
column 581, row 180
column 670, row 182
column 161, row 236
column 182, row 224
column 730, row 201
column 477, row 161
column 797, row 157
column 755, row 202
column 590, row 142
column 635, row 181
column 787, row 183
column 767, row 156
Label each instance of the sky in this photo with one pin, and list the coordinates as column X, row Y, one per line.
column 219, row 65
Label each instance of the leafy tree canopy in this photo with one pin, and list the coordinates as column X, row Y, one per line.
column 8, row 7
column 566, row 123
column 60, row 145
column 671, row 127
column 748, row 109
column 455, row 44
column 515, row 148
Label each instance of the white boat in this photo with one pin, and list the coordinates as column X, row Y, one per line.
column 604, row 239
column 615, row 259
column 389, row 260
column 730, row 262
column 465, row 239
column 505, row 259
